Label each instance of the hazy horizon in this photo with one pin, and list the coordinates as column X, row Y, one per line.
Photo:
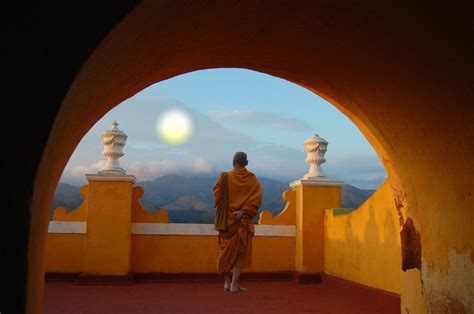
column 202, row 175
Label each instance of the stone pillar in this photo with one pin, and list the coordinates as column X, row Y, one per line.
column 108, row 238
column 314, row 193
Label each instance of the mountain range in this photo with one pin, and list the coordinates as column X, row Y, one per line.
column 190, row 199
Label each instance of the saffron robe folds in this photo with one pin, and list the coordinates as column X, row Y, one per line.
column 235, row 243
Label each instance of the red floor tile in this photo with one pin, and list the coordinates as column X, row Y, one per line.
column 331, row 296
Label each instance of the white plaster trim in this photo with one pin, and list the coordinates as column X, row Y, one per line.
column 275, row 231
column 207, row 229
column 67, row 227
column 319, row 181
column 173, row 229
column 111, row 177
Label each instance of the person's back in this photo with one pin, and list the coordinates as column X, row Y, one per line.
column 244, row 192
column 243, row 199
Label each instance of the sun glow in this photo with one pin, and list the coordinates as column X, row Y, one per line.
column 174, row 127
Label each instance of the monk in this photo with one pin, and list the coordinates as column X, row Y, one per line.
column 238, row 201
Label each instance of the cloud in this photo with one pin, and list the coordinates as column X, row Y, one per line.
column 98, row 165
column 364, row 172
column 80, row 170
column 209, row 150
column 261, row 119
column 150, row 170
column 202, row 166
column 144, row 170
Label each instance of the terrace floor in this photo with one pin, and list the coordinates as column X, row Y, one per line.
column 330, row 296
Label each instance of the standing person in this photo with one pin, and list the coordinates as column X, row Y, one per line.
column 237, row 196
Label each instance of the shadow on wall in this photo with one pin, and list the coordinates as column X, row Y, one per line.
column 364, row 245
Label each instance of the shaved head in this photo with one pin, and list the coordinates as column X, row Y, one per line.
column 240, row 159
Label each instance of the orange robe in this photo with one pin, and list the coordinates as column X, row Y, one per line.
column 235, row 243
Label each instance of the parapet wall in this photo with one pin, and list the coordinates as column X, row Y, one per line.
column 161, row 247
column 171, row 248
column 363, row 245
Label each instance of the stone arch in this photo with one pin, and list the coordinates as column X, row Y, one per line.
column 347, row 54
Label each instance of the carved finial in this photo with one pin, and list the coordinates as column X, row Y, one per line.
column 315, row 148
column 114, row 141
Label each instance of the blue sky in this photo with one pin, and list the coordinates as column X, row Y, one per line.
column 231, row 110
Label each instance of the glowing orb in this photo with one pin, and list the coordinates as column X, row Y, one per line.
column 174, row 127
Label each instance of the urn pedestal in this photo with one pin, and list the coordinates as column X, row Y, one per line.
column 315, row 192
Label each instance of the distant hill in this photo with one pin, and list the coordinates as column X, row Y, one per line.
column 190, row 199
column 187, row 202
column 68, row 196
column 64, row 189
column 353, row 197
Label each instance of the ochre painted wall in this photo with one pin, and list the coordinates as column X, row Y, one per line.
column 171, row 253
column 364, row 245
column 198, row 254
column 65, row 253
column 108, row 247
column 310, row 204
column 286, row 217
column 139, row 214
column 108, row 238
column 78, row 214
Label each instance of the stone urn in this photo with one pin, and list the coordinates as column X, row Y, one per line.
column 114, row 141
column 315, row 148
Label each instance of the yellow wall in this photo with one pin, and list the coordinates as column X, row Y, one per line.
column 108, row 247
column 179, row 253
column 139, row 214
column 108, row 238
column 65, row 253
column 78, row 214
column 171, row 253
column 286, row 216
column 310, row 204
column 364, row 245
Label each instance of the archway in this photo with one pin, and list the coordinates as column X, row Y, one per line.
column 364, row 79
